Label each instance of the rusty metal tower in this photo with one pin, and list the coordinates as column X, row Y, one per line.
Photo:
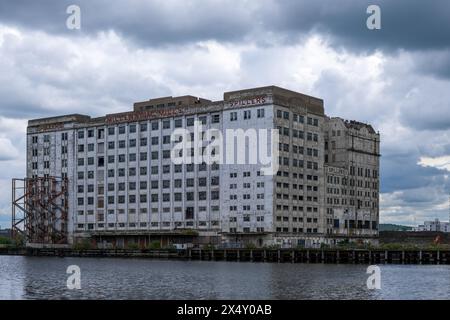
column 40, row 210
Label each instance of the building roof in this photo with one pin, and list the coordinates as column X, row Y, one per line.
column 353, row 124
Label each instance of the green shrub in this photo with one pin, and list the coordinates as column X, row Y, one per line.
column 209, row 247
column 4, row 240
column 250, row 245
column 84, row 244
column 132, row 246
column 154, row 245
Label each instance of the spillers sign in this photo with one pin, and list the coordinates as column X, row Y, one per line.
column 242, row 103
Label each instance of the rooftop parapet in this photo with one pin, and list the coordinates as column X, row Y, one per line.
column 169, row 102
column 280, row 96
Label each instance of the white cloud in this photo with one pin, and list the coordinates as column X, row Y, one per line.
column 442, row 162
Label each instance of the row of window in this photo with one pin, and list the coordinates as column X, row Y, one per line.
column 143, row 127
column 286, row 185
column 143, row 198
column 143, row 185
column 296, row 230
column 247, row 196
column 352, row 202
column 296, row 208
column 337, row 191
column 154, row 170
column 312, row 152
column 297, row 118
column 295, row 175
column 310, row 136
column 296, row 197
column 91, row 226
column 296, row 219
column 247, row 114
column 143, row 211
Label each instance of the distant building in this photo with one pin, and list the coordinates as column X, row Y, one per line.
column 436, row 226
column 6, row 233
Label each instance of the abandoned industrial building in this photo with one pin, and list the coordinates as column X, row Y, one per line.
column 111, row 179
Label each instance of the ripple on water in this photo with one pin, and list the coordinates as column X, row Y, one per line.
column 103, row 278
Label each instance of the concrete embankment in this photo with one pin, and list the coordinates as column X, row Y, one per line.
column 362, row 256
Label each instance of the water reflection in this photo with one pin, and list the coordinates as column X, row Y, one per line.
column 102, row 278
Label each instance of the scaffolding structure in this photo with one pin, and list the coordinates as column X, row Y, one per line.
column 40, row 210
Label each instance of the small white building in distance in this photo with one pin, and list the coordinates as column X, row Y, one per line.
column 435, row 225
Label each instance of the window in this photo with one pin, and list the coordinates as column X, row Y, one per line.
column 111, row 131
column 279, row 114
column 214, row 195
column 260, row 113
column 189, row 122
column 100, row 133
column 166, row 124
column 233, row 116
column 247, row 114
column 215, row 118
column 178, row 123
column 202, row 119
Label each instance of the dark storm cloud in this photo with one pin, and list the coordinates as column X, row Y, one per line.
column 406, row 24
column 414, row 25
column 150, row 23
column 401, row 172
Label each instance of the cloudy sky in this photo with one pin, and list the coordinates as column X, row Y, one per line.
column 396, row 78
